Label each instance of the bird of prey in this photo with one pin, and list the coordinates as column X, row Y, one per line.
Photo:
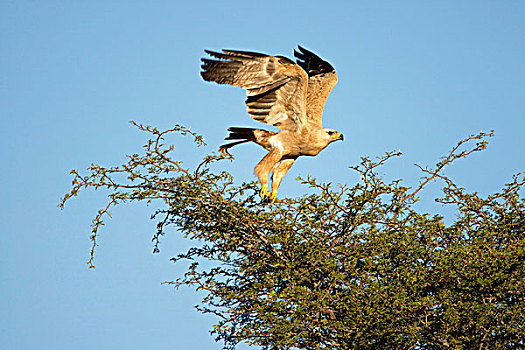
column 280, row 92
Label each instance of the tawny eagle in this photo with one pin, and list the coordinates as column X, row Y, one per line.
column 288, row 95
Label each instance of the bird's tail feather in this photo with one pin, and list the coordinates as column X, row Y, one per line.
column 236, row 133
column 243, row 134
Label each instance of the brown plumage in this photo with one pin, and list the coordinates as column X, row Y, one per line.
column 280, row 92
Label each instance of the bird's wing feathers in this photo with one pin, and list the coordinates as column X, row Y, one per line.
column 275, row 86
column 321, row 80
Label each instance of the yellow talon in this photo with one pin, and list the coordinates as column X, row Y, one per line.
column 264, row 191
column 272, row 196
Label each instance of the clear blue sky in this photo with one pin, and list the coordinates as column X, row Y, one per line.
column 413, row 75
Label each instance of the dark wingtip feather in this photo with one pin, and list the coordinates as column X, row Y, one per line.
column 204, row 76
column 312, row 63
column 305, row 51
column 213, row 53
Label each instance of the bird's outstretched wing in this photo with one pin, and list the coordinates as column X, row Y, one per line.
column 275, row 85
column 321, row 80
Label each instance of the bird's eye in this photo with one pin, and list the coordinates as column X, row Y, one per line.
column 331, row 133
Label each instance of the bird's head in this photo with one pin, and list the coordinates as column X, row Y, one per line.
column 333, row 135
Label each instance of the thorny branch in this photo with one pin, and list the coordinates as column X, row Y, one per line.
column 451, row 157
column 155, row 161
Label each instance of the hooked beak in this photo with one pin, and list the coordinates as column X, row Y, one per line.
column 341, row 137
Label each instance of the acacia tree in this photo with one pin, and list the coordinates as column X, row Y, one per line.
column 344, row 267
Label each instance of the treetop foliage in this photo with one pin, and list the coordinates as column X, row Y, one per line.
column 344, row 267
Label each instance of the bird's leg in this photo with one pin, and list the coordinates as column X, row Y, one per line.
column 264, row 191
column 278, row 172
column 262, row 170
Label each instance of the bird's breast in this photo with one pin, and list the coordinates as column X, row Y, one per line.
column 297, row 144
